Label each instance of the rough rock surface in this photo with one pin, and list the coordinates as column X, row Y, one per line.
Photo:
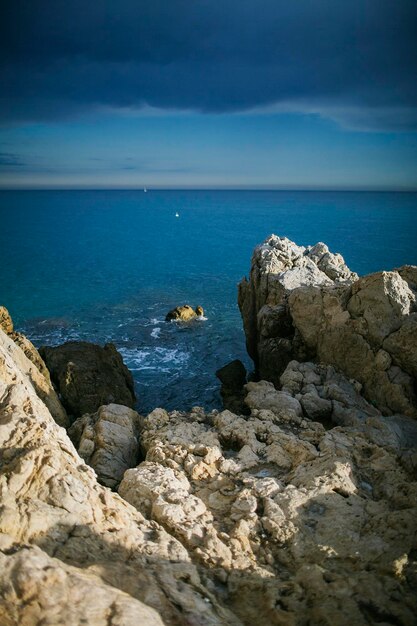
column 233, row 378
column 6, row 322
column 88, row 376
column 108, row 441
column 184, row 313
column 268, row 519
column 73, row 552
column 295, row 524
column 320, row 392
column 31, row 352
column 25, row 354
column 305, row 304
column 38, row 589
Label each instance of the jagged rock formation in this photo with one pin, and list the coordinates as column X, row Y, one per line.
column 293, row 523
column 108, row 441
column 184, row 313
column 73, row 552
column 320, row 392
column 271, row 516
column 34, row 367
column 305, row 304
column 303, row 512
column 233, row 378
column 88, row 376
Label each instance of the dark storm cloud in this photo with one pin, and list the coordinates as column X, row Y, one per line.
column 353, row 61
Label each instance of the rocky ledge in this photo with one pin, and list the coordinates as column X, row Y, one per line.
column 302, row 512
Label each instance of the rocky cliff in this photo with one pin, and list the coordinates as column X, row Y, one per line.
column 302, row 512
column 305, row 304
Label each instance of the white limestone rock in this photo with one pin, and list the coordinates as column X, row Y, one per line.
column 108, row 441
column 37, row 589
column 268, row 519
column 305, row 304
column 51, row 499
column 278, row 268
column 300, row 507
column 30, row 362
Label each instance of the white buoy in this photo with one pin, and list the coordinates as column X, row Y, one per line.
column 177, row 214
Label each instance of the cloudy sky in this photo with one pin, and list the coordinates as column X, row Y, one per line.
column 209, row 93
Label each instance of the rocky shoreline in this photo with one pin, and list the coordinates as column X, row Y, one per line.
column 299, row 507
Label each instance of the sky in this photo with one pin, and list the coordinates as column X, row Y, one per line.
column 295, row 94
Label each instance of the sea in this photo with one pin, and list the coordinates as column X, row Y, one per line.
column 107, row 266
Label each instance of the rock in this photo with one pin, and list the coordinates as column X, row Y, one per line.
column 279, row 267
column 233, row 378
column 352, row 329
column 284, row 513
column 263, row 395
column 409, row 274
column 71, row 551
column 40, row 382
column 6, row 322
column 266, row 519
column 184, row 313
column 38, row 589
column 305, row 304
column 401, row 346
column 108, row 441
column 88, row 376
column 31, row 352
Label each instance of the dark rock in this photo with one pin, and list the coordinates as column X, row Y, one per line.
column 233, row 378
column 88, row 376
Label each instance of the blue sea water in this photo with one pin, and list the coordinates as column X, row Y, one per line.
column 108, row 265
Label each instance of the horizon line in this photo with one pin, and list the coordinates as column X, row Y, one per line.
column 369, row 189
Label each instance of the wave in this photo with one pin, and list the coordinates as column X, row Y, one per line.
column 162, row 359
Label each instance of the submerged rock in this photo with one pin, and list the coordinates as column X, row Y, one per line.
column 305, row 304
column 88, row 376
column 233, row 378
column 108, row 441
column 184, row 313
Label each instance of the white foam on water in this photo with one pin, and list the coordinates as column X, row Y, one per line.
column 201, row 318
column 174, row 356
column 161, row 359
column 157, row 320
column 155, row 333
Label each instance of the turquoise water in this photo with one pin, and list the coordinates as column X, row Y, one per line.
column 107, row 266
